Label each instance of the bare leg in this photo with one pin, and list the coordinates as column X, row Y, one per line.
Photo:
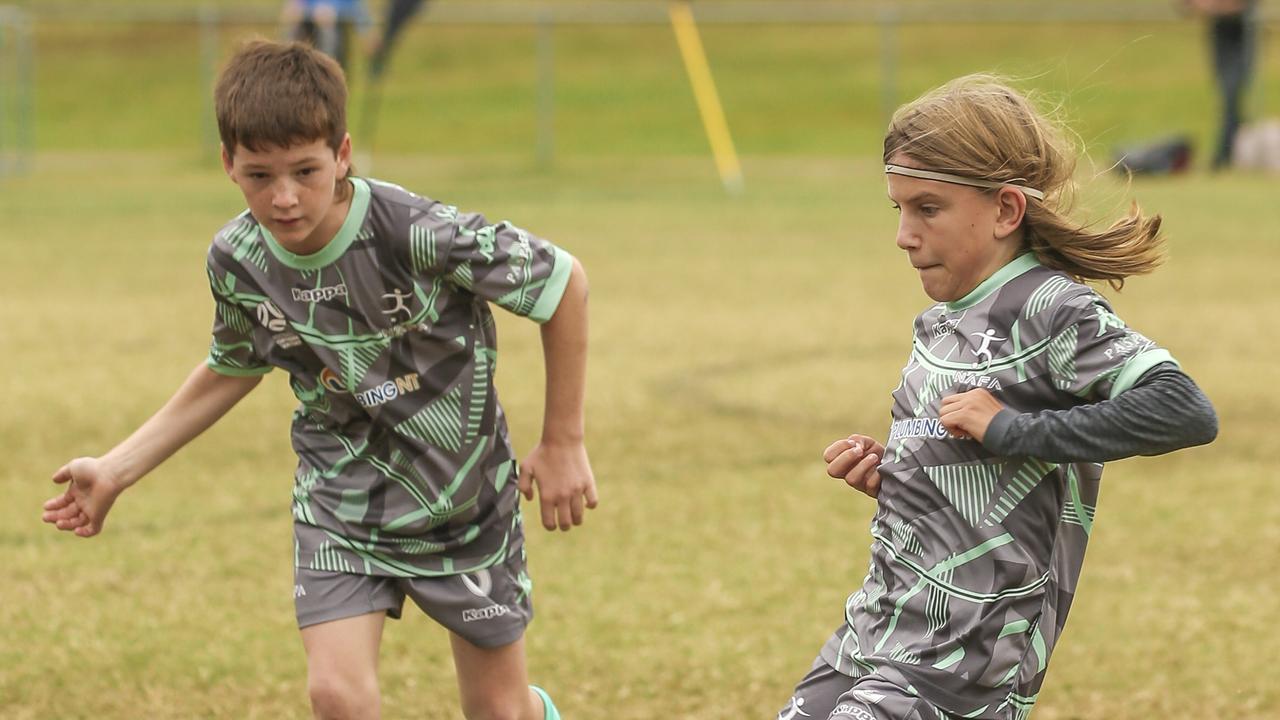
column 494, row 682
column 342, row 667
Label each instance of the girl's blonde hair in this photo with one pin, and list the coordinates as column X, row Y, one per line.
column 977, row 126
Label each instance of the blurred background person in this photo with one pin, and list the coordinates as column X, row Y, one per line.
column 1233, row 43
column 326, row 24
column 399, row 12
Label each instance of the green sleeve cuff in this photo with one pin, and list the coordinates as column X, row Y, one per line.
column 1138, row 365
column 553, row 290
column 236, row 371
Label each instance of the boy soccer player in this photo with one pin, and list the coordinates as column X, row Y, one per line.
column 375, row 301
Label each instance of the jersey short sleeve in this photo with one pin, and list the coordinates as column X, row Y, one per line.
column 1093, row 354
column 502, row 263
column 231, row 350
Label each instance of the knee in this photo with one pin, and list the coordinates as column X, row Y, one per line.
column 337, row 698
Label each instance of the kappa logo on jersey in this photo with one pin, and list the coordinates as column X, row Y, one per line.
column 271, row 317
column 484, row 238
column 1106, row 320
column 944, row 327
column 320, row 294
column 521, row 257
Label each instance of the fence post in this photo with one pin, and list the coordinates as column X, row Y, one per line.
column 546, row 140
column 8, row 47
column 26, row 61
column 890, row 21
column 15, row 91
column 209, row 39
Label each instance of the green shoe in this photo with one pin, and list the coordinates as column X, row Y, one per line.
column 550, row 712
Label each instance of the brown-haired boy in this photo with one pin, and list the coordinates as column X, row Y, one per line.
column 375, row 301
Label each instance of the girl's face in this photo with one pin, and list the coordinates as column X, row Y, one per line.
column 955, row 236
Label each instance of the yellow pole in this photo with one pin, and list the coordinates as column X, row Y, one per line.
column 704, row 92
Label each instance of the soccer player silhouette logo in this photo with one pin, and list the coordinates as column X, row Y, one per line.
column 398, row 303
column 984, row 349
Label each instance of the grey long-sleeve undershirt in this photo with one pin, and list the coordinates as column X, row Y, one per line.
column 1164, row 411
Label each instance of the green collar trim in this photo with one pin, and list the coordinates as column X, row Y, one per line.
column 1016, row 267
column 340, row 242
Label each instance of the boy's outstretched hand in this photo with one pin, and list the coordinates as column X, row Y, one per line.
column 91, row 491
column 856, row 460
column 967, row 415
column 565, row 483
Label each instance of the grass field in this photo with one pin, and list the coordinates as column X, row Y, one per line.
column 732, row 339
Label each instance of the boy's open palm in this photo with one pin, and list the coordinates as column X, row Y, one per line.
column 90, row 493
column 562, row 473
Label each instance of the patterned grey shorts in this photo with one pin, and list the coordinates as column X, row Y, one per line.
column 488, row 608
column 824, row 694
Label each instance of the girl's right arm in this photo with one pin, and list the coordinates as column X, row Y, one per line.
column 95, row 483
column 1164, row 411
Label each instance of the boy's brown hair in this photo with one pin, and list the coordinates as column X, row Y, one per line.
column 280, row 94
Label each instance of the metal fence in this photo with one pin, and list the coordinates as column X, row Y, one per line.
column 654, row 12
column 889, row 17
column 15, row 91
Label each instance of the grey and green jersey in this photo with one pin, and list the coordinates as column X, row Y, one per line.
column 975, row 557
column 404, row 464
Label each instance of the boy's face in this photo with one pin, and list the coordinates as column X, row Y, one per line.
column 955, row 236
column 292, row 191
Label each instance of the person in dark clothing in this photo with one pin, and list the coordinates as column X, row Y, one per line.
column 1233, row 44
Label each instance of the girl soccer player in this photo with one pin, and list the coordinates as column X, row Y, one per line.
column 1020, row 383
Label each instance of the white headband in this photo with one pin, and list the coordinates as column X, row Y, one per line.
column 959, row 180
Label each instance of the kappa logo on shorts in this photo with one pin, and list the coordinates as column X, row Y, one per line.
column 485, row 613
column 481, row 586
